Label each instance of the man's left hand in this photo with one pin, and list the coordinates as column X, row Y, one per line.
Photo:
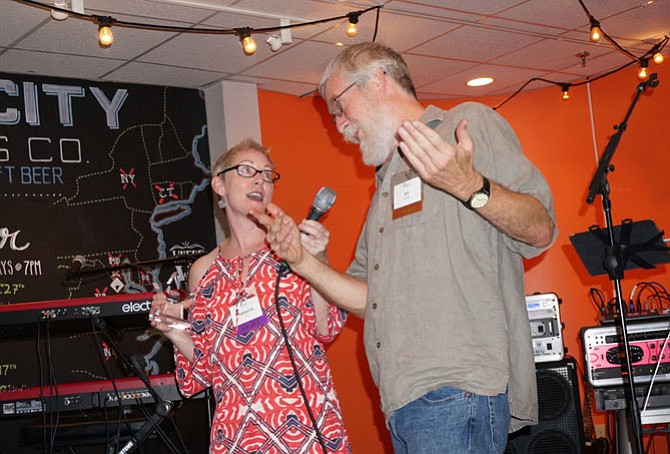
column 438, row 162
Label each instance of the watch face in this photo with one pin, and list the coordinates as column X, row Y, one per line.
column 479, row 200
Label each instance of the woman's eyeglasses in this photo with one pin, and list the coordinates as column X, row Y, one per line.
column 247, row 171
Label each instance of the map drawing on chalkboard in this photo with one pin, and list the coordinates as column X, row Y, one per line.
column 105, row 184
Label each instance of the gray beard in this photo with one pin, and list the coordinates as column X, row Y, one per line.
column 378, row 145
column 378, row 141
column 372, row 152
column 375, row 153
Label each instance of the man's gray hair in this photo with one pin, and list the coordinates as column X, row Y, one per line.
column 360, row 61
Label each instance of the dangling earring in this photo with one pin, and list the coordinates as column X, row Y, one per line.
column 222, row 203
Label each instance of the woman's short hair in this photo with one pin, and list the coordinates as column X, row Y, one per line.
column 227, row 159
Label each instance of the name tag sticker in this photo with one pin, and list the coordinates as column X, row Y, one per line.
column 407, row 194
column 247, row 315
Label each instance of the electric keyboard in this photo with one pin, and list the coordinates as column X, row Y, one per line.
column 62, row 339
column 86, row 395
column 75, row 309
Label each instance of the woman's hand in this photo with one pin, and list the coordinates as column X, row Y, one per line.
column 167, row 316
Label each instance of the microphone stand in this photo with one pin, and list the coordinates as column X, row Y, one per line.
column 178, row 259
column 616, row 255
column 163, row 407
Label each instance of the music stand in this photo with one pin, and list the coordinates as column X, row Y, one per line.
column 640, row 245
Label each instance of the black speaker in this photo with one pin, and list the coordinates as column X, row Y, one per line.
column 560, row 429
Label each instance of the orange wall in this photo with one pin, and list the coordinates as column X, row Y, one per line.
column 555, row 134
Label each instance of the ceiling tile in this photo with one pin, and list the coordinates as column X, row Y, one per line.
column 454, row 85
column 295, row 58
column 143, row 73
column 59, row 65
column 16, row 20
column 221, row 53
column 556, row 55
column 474, row 44
column 439, row 68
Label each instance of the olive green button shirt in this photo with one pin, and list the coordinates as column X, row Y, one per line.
column 446, row 299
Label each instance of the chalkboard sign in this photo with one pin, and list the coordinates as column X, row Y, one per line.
column 95, row 178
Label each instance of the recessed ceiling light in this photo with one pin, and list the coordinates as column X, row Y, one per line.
column 479, row 81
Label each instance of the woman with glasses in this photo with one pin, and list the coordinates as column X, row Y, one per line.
column 255, row 330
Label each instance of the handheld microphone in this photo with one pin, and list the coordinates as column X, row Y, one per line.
column 78, row 261
column 323, row 200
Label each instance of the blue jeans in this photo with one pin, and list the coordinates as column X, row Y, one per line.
column 450, row 420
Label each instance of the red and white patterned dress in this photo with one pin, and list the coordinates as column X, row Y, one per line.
column 259, row 406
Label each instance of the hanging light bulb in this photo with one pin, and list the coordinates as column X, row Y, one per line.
column 105, row 35
column 565, row 88
column 642, row 73
column 352, row 28
column 248, row 43
column 658, row 58
column 596, row 33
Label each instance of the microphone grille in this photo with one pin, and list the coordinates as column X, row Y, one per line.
column 324, row 199
column 79, row 259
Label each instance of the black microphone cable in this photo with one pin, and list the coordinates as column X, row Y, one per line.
column 284, row 270
column 108, row 372
column 54, row 396
column 40, row 364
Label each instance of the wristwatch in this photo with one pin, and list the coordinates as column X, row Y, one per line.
column 481, row 197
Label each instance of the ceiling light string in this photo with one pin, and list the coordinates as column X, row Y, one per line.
column 642, row 73
column 316, row 22
column 374, row 35
column 562, row 84
column 374, row 38
column 597, row 31
column 248, row 43
column 565, row 88
column 655, row 53
column 352, row 28
column 105, row 35
column 243, row 33
column 519, row 90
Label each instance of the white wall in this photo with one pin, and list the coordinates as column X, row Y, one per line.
column 232, row 115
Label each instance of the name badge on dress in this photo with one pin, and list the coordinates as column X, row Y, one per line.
column 407, row 194
column 248, row 315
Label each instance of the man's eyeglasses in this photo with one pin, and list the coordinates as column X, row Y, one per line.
column 335, row 106
column 247, row 171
